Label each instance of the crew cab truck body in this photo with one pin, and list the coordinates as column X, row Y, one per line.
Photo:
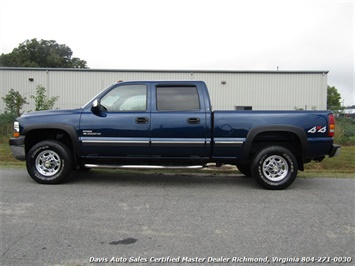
column 147, row 124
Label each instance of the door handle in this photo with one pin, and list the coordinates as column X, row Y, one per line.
column 193, row 120
column 142, row 120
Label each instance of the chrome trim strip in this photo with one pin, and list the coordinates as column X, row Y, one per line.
column 143, row 166
column 167, row 142
column 229, row 142
column 178, row 142
column 116, row 141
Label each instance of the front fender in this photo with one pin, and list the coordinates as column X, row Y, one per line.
column 69, row 129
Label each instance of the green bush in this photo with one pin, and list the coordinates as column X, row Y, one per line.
column 6, row 125
column 345, row 131
column 42, row 102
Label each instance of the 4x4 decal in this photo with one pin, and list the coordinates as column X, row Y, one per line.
column 317, row 129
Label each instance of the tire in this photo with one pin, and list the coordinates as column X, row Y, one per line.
column 49, row 162
column 274, row 167
column 244, row 169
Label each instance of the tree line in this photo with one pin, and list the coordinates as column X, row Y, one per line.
column 42, row 53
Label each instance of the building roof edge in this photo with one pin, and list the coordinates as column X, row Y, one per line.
column 170, row 70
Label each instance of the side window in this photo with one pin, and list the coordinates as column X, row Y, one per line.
column 177, row 99
column 126, row 98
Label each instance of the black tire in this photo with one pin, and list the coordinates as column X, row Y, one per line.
column 274, row 167
column 49, row 162
column 244, row 169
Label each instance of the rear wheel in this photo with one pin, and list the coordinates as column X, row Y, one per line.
column 49, row 162
column 274, row 167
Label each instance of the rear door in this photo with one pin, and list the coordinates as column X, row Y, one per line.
column 178, row 122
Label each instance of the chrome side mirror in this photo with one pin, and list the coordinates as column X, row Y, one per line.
column 95, row 104
column 97, row 107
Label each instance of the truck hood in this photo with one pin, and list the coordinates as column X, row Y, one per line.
column 51, row 113
column 51, row 117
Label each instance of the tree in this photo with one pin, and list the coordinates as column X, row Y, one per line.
column 14, row 102
column 43, row 53
column 42, row 102
column 333, row 99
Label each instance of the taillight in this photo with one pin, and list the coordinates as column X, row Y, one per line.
column 331, row 125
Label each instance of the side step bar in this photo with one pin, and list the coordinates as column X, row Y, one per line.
column 142, row 166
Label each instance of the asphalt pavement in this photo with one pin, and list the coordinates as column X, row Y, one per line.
column 104, row 217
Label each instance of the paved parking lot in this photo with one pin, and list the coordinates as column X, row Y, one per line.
column 111, row 217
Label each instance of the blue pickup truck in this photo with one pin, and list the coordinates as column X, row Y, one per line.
column 170, row 124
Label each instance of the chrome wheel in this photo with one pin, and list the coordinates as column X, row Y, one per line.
column 48, row 163
column 275, row 168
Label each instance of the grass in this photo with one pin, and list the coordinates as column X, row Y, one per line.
column 339, row 166
column 344, row 163
column 336, row 167
column 6, row 158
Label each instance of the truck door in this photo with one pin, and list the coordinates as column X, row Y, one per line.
column 121, row 127
column 178, row 123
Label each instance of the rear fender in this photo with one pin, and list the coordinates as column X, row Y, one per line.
column 299, row 132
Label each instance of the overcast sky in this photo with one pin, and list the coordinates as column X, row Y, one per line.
column 193, row 34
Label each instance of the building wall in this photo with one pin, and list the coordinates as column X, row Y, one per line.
column 263, row 90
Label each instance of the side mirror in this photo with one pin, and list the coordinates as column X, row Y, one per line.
column 95, row 104
column 97, row 107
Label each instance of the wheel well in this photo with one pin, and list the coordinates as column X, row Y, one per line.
column 285, row 139
column 38, row 135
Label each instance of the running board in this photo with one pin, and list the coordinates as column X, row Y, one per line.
column 142, row 166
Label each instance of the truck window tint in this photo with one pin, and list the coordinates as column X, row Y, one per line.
column 126, row 98
column 177, row 99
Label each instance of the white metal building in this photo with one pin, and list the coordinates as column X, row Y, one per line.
column 259, row 90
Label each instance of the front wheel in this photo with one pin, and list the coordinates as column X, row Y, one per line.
column 49, row 162
column 274, row 167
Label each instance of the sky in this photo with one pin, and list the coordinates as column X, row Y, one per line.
column 237, row 35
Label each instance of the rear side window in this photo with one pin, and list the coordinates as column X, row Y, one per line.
column 177, row 99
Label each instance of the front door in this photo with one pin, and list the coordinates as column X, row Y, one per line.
column 121, row 128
